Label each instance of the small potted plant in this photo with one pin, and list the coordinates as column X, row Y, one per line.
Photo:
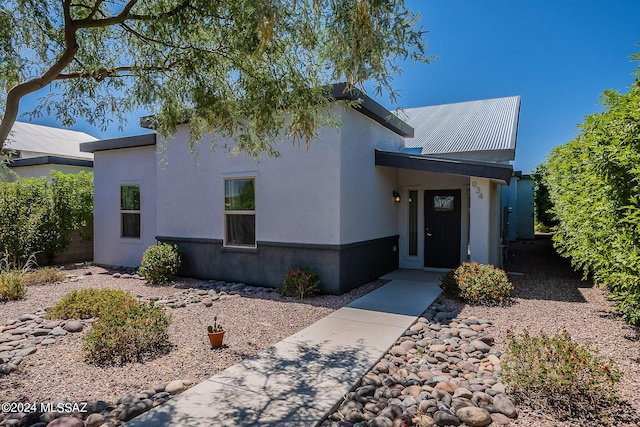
column 216, row 333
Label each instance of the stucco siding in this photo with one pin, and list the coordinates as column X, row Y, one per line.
column 367, row 209
column 111, row 170
column 296, row 194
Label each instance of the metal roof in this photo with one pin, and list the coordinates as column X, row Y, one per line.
column 482, row 130
column 41, row 140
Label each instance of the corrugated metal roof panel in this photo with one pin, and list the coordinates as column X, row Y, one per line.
column 48, row 140
column 484, row 125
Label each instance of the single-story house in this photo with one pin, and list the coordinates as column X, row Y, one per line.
column 35, row 150
column 420, row 189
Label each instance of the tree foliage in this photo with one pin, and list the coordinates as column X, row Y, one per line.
column 542, row 205
column 594, row 185
column 255, row 70
column 39, row 214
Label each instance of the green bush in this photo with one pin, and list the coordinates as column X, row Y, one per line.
column 127, row 334
column 594, row 189
column 477, row 283
column 160, row 263
column 39, row 214
column 12, row 285
column 87, row 303
column 299, row 283
column 554, row 374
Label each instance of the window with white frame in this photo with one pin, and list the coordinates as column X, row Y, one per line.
column 130, row 211
column 240, row 212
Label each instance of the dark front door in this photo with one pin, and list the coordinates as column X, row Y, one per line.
column 442, row 228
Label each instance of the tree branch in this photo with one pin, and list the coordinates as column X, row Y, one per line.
column 125, row 15
column 17, row 92
column 102, row 74
column 96, row 6
column 90, row 22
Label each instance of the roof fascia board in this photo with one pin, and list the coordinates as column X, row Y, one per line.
column 119, row 143
column 50, row 160
column 367, row 106
column 495, row 171
column 372, row 109
column 516, row 121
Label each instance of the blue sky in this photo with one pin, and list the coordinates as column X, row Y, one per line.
column 559, row 55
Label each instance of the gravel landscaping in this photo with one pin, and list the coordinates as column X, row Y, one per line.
column 548, row 297
column 254, row 321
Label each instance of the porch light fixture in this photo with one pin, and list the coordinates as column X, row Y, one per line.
column 396, row 196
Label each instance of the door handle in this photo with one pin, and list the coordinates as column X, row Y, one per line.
column 428, row 234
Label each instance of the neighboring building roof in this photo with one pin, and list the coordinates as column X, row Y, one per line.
column 36, row 140
column 483, row 130
column 50, row 160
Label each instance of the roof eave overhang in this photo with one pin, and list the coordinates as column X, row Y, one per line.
column 371, row 109
column 341, row 92
column 495, row 171
column 119, row 143
column 50, row 160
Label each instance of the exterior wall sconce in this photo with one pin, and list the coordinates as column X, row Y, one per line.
column 396, row 196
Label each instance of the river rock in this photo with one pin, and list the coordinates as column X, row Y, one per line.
column 74, row 326
column 175, row 387
column 504, row 405
column 474, row 417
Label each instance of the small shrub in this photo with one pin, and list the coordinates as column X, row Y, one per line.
column 43, row 276
column 86, row 303
column 127, row 334
column 553, row 373
column 160, row 263
column 299, row 283
column 12, row 285
column 477, row 283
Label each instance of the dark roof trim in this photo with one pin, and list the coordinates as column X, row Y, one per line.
column 367, row 106
column 372, row 109
column 50, row 160
column 497, row 171
column 118, row 143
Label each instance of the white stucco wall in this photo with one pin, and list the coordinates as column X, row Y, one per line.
column 421, row 181
column 367, row 209
column 112, row 169
column 485, row 226
column 297, row 194
column 37, row 171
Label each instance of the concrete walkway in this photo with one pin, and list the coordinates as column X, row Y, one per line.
column 301, row 379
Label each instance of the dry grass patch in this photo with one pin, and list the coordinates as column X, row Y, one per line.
column 43, row 276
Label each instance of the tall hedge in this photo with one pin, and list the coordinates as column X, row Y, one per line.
column 39, row 214
column 594, row 187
